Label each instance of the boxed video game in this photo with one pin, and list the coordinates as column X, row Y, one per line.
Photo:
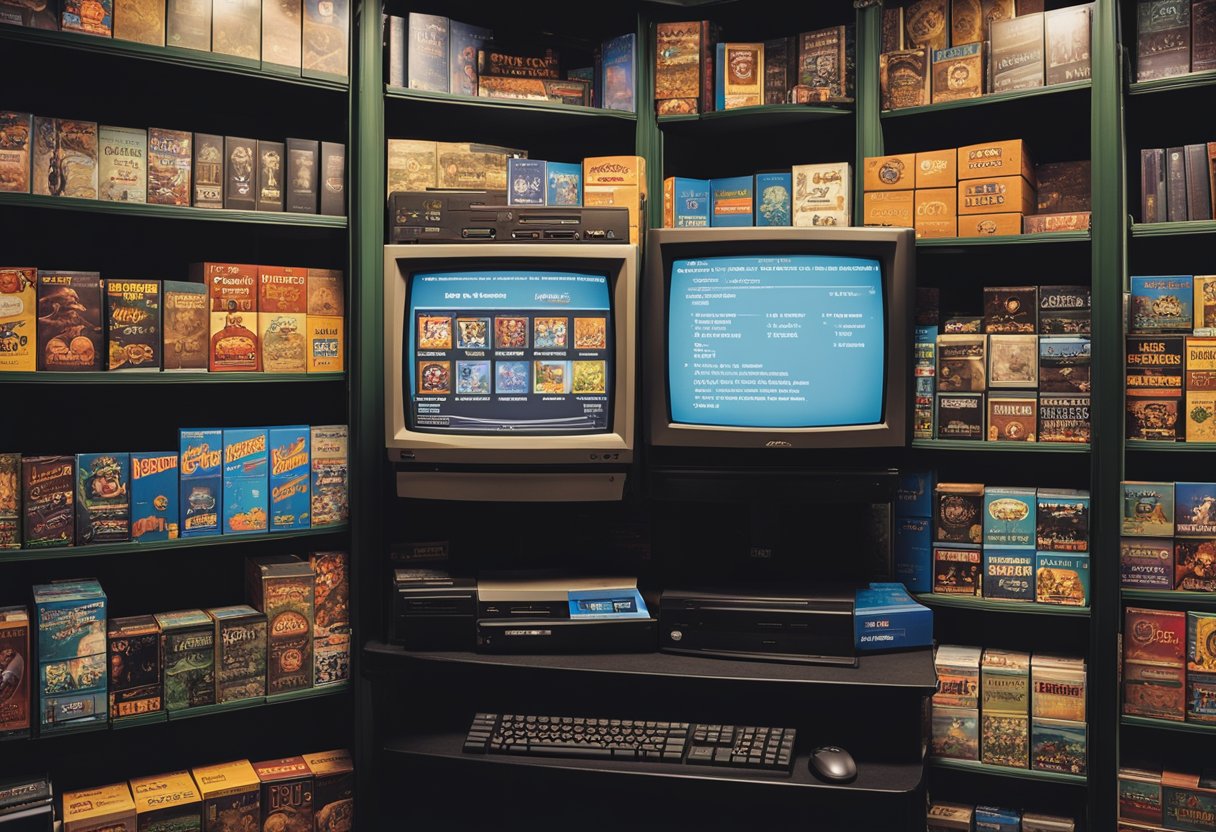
column 230, row 794
column 71, row 618
column 186, row 339
column 333, row 793
column 240, row 176
column 154, row 493
column 889, row 173
column 1140, row 796
column 1005, row 682
column 326, row 36
column 48, row 484
column 889, row 208
column 1201, row 642
column 1195, row 509
column 69, row 321
column 302, row 176
column 333, row 164
column 961, row 363
column 887, row 618
column 1011, row 309
column 188, row 652
column 1154, row 671
column 1062, row 520
column 136, row 683
column 133, row 334
column 999, row 158
column 282, row 318
column 526, row 182
column 169, row 159
column 1047, row 823
column 122, row 172
column 1013, row 418
column 1013, row 361
column 955, row 733
column 914, row 553
column 326, row 293
column 958, row 512
column 1062, row 578
column 957, row 569
column 10, row 501
column 201, row 480
column 1057, row 687
column 283, row 587
column 1201, row 698
column 15, row 155
column 27, row 804
column 246, row 481
column 234, row 312
column 65, row 157
column 1146, row 562
column 290, row 474
column 103, row 498
column 963, row 325
column 960, row 416
column 1009, row 573
column 1153, row 382
column 958, row 73
column 287, row 793
column 324, row 347
column 330, row 475
column 1009, row 516
column 995, row 819
column 949, row 817
column 1200, row 409
column 1005, row 740
column 102, row 809
column 18, row 314
column 1064, row 364
column 240, row 653
column 914, row 494
column 1064, row 310
column 1162, row 303
column 1057, row 745
column 958, row 676
column 1017, row 53
column 271, row 190
column 1064, row 418
column 1186, row 802
column 331, row 623
column 923, row 425
column 16, row 667
column 1148, row 509
column 167, row 803
column 208, row 170
column 1195, row 564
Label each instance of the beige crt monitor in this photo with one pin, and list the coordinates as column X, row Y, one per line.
column 489, row 455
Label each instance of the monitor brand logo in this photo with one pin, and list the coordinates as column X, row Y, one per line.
column 777, row 443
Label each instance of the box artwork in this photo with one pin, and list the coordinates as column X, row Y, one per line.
column 1009, row 516
column 154, row 494
column 103, row 498
column 282, row 318
column 958, row 513
column 1047, row 823
column 1157, row 636
column 167, row 803
column 773, row 198
column 326, row 295
column 961, row 362
column 1204, row 307
column 240, row 653
column 1010, row 309
column 1013, row 418
column 1064, row 310
column 271, row 165
column 330, row 476
column 821, row 195
column 1005, row 740
column 1148, row 509
column 1064, row 419
column 18, row 317
column 234, row 307
column 1161, row 304
column 1146, row 563
column 958, row 72
column 995, row 819
column 1057, row 687
column 955, row 733
column 169, row 159
column 133, row 331
column 1187, row 802
column 103, row 809
column 1009, row 573
column 201, row 481
column 10, row 501
column 122, row 174
column 913, row 553
column 185, row 336
column 1140, row 795
column 282, row 586
column 958, row 676
column 1017, row 53
column 904, row 78
column 16, row 666
column 1154, row 372
column 1013, row 361
column 49, row 486
column 281, row 41
column 69, row 321
column 290, row 502
column 1195, row 564
column 1155, row 419
column 1200, row 364
column 188, row 650
column 889, row 173
column 1195, row 509
column 1062, row 578
column 333, row 167
column 1201, row 698
column 326, row 34
column 1201, row 642
column 246, row 481
column 1005, row 682
column 71, row 619
column 948, row 817
column 331, row 627
column 889, row 209
column 302, row 176
column 287, row 794
column 957, row 570
column 230, row 794
column 1064, row 365
column 1057, row 745
column 15, row 128
column 333, row 794
column 927, row 23
column 65, row 158
column 135, row 666
column 960, row 416
column 1154, row 690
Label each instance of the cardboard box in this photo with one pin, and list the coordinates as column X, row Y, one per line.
column 615, row 170
column 167, row 801
column 188, row 653
column 282, row 586
column 989, row 159
column 889, row 173
column 333, row 792
column 331, row 628
column 246, row 481
column 936, row 212
column 287, row 793
column 15, row 665
column 240, row 653
column 989, row 225
column 102, row 809
column 135, row 667
column 996, row 194
column 889, row 208
column 937, row 169
column 71, row 618
column 230, row 794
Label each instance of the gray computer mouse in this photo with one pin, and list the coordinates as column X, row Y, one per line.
column 833, row 764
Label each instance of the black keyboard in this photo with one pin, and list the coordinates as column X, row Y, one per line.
column 737, row 746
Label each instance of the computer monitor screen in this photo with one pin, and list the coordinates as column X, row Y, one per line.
column 510, row 351
column 793, row 341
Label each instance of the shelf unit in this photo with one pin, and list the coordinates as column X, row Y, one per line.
column 1001, row 447
column 1056, row 777
column 120, row 377
column 990, row 99
column 987, row 605
column 177, row 212
column 246, row 541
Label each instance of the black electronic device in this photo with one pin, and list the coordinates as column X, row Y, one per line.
column 762, row 622
column 833, row 764
column 733, row 746
column 27, row 805
column 433, row 610
column 484, row 216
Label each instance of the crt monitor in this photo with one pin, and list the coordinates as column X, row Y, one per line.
column 778, row 338
column 504, row 359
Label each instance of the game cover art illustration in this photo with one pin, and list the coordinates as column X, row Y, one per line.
column 552, row 377
column 435, row 333
column 473, row 377
column 590, row 334
column 549, row 333
column 512, row 377
column 434, row 377
column 510, row 333
column 589, row 378
column 473, row 333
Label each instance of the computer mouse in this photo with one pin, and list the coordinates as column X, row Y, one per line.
column 833, row 764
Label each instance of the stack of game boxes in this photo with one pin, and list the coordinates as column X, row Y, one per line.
column 1174, row 38
column 1176, row 182
column 1152, row 800
column 914, row 501
column 806, row 195
column 958, row 817
column 1169, row 665
column 1169, row 536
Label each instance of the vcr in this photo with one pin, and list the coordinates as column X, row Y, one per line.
column 484, row 216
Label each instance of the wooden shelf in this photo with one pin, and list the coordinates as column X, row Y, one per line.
column 540, row 110
column 1001, row 447
column 1173, row 229
column 166, row 54
column 749, row 118
column 990, row 99
column 1002, row 771
column 134, row 377
column 1188, row 81
column 1167, row 725
column 68, row 552
column 1169, row 596
column 1152, row 446
column 177, row 212
column 991, row 605
column 949, row 244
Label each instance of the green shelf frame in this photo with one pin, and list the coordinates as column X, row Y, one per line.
column 1142, row 230
column 550, row 108
column 177, row 212
column 984, row 446
column 989, row 100
column 940, row 243
column 965, row 602
column 764, row 116
column 1013, row 773
column 120, row 377
column 126, row 722
column 1169, row 596
column 1191, row 80
column 1167, row 725
column 167, row 55
column 69, row 552
column 1151, row 446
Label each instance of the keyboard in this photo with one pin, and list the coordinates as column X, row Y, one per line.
column 735, row 746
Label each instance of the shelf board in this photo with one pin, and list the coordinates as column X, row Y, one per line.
column 874, row 779
column 178, row 212
column 944, row 245
column 1150, row 446
column 906, row 669
column 163, row 54
column 1169, row 596
column 1173, row 229
column 1167, row 725
column 1002, row 771
column 1001, row 447
column 765, row 116
column 1177, row 82
column 134, row 377
column 990, row 605
column 540, row 109
column 68, row 552
column 990, row 99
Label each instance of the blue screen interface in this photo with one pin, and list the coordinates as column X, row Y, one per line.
column 509, row 351
column 776, row 342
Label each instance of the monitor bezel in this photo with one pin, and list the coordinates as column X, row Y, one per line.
column 618, row 261
column 894, row 247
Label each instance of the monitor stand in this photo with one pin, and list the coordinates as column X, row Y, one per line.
column 511, row 487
